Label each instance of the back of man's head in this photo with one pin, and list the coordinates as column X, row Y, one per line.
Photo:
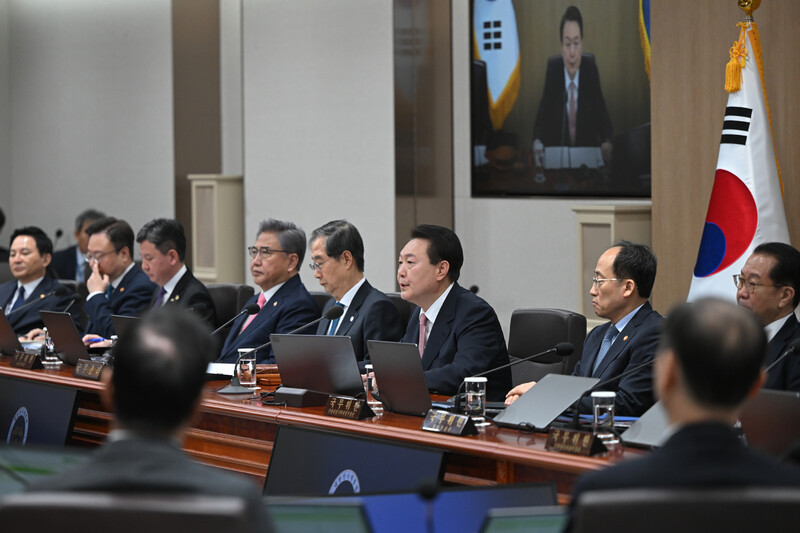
column 165, row 234
column 637, row 262
column 719, row 348
column 443, row 245
column 159, row 370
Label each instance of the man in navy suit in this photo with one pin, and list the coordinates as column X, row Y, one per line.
column 285, row 303
column 458, row 333
column 708, row 364
column 69, row 263
column 337, row 255
column 162, row 243
column 117, row 286
column 623, row 279
column 769, row 286
column 35, row 288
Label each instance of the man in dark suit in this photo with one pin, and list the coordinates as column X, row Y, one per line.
column 623, row 279
column 285, row 303
column 69, row 263
column 572, row 111
column 769, row 286
column 162, row 243
column 337, row 254
column 29, row 258
column 458, row 333
column 117, row 286
column 154, row 391
column 709, row 362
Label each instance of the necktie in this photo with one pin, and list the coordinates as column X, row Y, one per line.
column 160, row 300
column 335, row 322
column 20, row 298
column 261, row 301
column 423, row 332
column 573, row 111
column 109, row 291
column 608, row 340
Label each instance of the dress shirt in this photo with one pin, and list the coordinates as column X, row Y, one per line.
column 29, row 288
column 432, row 311
column 770, row 329
column 169, row 286
column 567, row 81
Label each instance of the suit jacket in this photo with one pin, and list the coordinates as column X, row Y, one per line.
column 289, row 308
column 786, row 374
column 634, row 345
column 64, row 262
column 466, row 339
column 139, row 465
column 370, row 316
column 191, row 294
column 592, row 123
column 27, row 319
column 130, row 298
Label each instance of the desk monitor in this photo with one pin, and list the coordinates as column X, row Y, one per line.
column 323, row 363
column 35, row 413
column 66, row 338
column 400, row 376
column 771, row 420
column 29, row 464
column 550, row 397
column 525, row 519
column 314, row 462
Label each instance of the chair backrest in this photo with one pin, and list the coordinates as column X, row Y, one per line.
column 688, row 510
column 536, row 330
column 404, row 308
column 229, row 298
column 5, row 272
column 122, row 513
column 320, row 298
column 80, row 289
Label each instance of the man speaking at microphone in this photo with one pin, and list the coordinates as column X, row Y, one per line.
column 623, row 279
column 285, row 304
column 35, row 288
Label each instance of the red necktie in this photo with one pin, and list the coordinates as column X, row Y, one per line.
column 572, row 112
column 423, row 332
column 261, row 301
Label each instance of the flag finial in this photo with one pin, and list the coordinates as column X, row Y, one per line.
column 748, row 6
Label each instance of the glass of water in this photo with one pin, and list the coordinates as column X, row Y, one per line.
column 246, row 369
column 603, row 420
column 475, row 401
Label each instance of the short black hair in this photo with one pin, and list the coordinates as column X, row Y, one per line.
column 443, row 245
column 159, row 369
column 119, row 232
column 571, row 14
column 637, row 262
column 43, row 242
column 88, row 215
column 291, row 237
column 786, row 271
column 166, row 234
column 720, row 348
column 340, row 236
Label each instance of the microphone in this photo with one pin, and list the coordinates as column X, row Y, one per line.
column 235, row 387
column 562, row 349
column 793, row 348
column 72, row 299
column 58, row 291
column 59, row 234
column 250, row 309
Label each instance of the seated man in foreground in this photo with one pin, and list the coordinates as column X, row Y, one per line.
column 457, row 332
column 623, row 279
column 154, row 391
column 709, row 362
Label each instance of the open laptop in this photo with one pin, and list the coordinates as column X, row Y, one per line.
column 649, row 431
column 771, row 421
column 542, row 404
column 322, row 363
column 66, row 339
column 121, row 323
column 400, row 376
column 9, row 342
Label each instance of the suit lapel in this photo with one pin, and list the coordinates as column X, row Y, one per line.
column 175, row 295
column 441, row 328
column 621, row 342
column 352, row 310
column 778, row 343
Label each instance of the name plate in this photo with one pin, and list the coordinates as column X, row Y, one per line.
column 29, row 361
column 88, row 369
column 449, row 423
column 574, row 441
column 349, row 408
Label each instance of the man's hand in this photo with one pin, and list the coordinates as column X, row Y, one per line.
column 36, row 334
column 518, row 391
column 97, row 282
column 95, row 341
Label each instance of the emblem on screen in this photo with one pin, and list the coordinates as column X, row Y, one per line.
column 346, row 477
column 18, row 431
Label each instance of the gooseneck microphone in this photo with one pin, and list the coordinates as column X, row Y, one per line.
column 792, row 349
column 72, row 299
column 58, row 291
column 562, row 349
column 250, row 309
column 235, row 387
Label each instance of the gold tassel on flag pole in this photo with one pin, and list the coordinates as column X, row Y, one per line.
column 733, row 71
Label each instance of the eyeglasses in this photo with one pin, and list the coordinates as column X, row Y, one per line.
column 264, row 252
column 751, row 286
column 599, row 281
column 96, row 257
column 316, row 267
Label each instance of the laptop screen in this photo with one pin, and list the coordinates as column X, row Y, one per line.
column 35, row 413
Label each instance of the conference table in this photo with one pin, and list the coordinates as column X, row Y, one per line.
column 237, row 432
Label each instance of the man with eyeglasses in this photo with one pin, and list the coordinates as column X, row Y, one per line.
column 285, row 304
column 337, row 255
column 623, row 279
column 769, row 286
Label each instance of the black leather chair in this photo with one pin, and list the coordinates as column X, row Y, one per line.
column 229, row 299
column 536, row 330
column 404, row 308
column 82, row 292
column 688, row 510
column 5, row 272
column 320, row 298
column 86, row 512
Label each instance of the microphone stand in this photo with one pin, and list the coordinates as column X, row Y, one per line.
column 59, row 291
column 247, row 310
column 790, row 350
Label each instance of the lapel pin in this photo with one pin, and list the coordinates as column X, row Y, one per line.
column 122, row 289
column 41, row 295
column 625, row 338
column 176, row 297
column 274, row 304
column 352, row 318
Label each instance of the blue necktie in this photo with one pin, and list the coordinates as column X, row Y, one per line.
column 20, row 299
column 608, row 340
column 335, row 321
column 109, row 291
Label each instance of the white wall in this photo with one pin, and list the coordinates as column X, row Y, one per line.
column 91, row 110
column 230, row 50
column 5, row 132
column 319, row 121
